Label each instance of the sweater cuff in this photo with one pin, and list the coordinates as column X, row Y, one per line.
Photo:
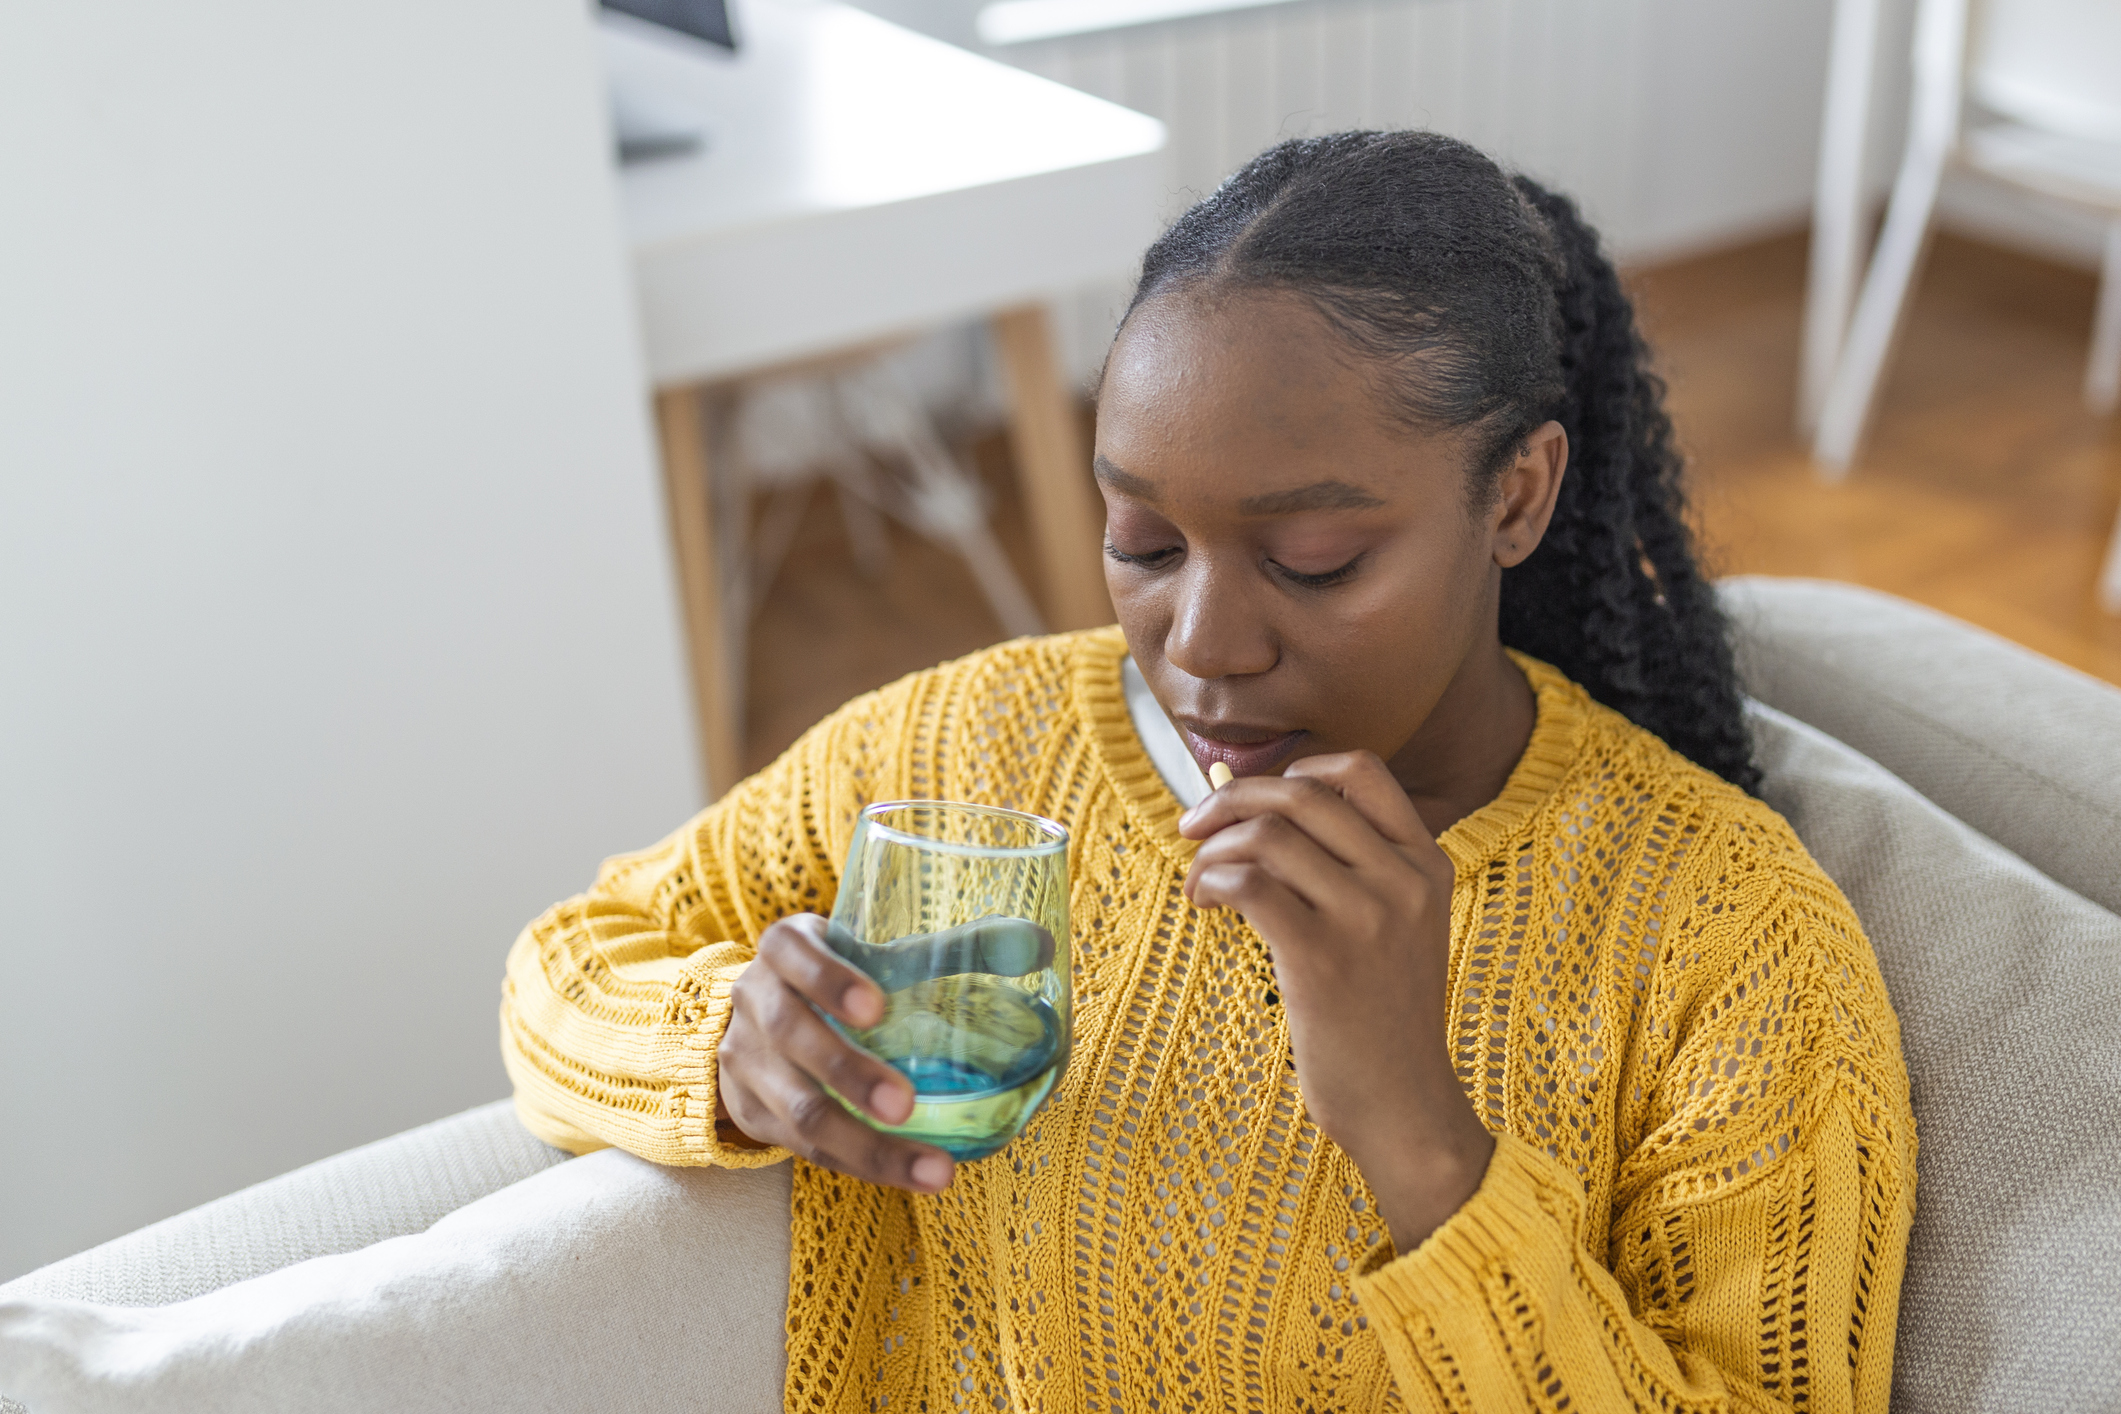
column 703, row 999
column 1518, row 1201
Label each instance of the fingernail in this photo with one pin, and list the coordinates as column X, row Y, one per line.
column 931, row 1171
column 888, row 1102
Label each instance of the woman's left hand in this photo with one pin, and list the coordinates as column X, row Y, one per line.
column 1333, row 868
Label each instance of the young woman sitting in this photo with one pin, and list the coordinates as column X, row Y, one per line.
column 1486, row 1044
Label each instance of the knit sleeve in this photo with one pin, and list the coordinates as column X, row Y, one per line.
column 615, row 1000
column 1756, row 1254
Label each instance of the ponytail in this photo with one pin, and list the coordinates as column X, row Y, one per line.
column 1493, row 310
column 1613, row 595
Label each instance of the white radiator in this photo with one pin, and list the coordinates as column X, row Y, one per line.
column 1677, row 124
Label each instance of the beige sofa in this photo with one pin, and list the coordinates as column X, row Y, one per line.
column 1965, row 793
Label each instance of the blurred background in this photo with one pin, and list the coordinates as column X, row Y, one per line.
column 404, row 503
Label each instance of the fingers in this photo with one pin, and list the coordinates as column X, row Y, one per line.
column 1268, row 904
column 784, row 1019
column 1361, row 832
column 1364, row 781
column 796, row 951
column 1282, row 849
column 775, row 1102
column 1337, row 834
column 779, row 1055
column 1321, row 891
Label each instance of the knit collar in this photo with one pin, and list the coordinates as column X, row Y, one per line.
column 1557, row 739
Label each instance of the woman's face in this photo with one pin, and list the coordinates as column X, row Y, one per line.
column 1296, row 572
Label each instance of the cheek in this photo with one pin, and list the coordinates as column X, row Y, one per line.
column 1423, row 595
column 1392, row 647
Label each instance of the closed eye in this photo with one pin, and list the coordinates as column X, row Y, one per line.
column 1319, row 581
column 1147, row 561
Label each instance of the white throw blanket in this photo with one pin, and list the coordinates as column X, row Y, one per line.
column 607, row 1284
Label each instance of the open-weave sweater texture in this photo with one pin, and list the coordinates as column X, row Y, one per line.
column 1662, row 1008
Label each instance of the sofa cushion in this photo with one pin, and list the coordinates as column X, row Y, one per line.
column 2008, row 988
column 2023, row 749
column 382, row 1190
column 607, row 1283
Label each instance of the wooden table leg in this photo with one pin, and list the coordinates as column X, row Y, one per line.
column 681, row 421
column 1053, row 468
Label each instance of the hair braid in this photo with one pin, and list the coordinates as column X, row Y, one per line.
column 1490, row 303
column 1613, row 595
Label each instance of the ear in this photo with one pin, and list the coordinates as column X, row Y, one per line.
column 1527, row 491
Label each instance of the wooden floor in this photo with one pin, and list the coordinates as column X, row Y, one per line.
column 1986, row 490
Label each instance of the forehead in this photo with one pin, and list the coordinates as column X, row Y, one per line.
column 1257, row 349
column 1248, row 395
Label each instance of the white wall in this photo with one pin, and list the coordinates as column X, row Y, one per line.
column 336, row 631
column 1680, row 125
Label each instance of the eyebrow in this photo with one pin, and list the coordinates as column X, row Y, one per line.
column 1318, row 496
column 1123, row 481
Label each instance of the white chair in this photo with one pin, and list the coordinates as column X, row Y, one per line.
column 2025, row 91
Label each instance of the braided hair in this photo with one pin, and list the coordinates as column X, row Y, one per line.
column 1489, row 309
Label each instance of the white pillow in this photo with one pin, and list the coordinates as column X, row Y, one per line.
column 605, row 1283
column 2008, row 988
column 2026, row 751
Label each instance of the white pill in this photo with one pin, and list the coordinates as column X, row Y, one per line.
column 1219, row 774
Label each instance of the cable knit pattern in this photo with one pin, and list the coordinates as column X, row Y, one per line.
column 1665, row 1011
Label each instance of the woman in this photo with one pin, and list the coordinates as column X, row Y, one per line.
column 1485, row 1044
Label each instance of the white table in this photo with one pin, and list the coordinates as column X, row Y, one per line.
column 860, row 183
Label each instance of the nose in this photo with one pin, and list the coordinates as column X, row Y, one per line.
column 1216, row 631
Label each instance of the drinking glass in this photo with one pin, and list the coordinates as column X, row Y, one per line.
column 960, row 914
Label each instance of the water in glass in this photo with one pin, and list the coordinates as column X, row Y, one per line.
column 960, row 913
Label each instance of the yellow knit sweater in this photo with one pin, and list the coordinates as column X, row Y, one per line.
column 1666, row 1013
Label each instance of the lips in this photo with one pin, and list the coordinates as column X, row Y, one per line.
column 1255, row 753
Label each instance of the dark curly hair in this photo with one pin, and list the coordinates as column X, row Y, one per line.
column 1492, row 309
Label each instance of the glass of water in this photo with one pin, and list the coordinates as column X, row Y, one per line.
column 960, row 914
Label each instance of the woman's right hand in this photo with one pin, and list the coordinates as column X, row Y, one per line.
column 778, row 1054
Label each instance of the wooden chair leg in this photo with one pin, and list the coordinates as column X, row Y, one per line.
column 2110, row 576
column 2102, row 375
column 1053, row 468
column 681, row 421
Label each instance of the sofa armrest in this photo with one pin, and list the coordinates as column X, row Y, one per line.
column 395, row 1186
column 2018, row 746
